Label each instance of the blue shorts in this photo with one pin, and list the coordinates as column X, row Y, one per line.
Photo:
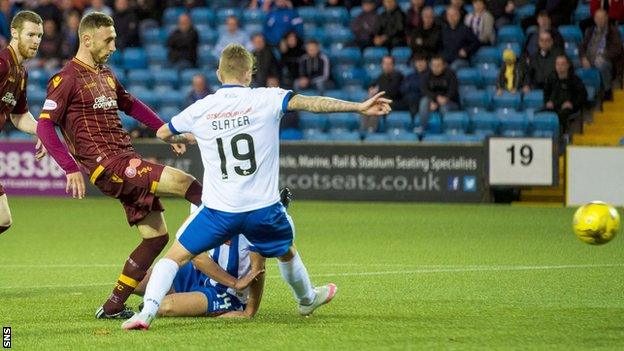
column 270, row 230
column 190, row 279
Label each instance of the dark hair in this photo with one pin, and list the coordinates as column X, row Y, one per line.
column 437, row 57
column 419, row 56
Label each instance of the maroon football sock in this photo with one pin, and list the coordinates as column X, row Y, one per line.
column 4, row 228
column 194, row 193
column 134, row 271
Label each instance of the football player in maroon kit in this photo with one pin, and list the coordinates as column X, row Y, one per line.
column 83, row 100
column 26, row 32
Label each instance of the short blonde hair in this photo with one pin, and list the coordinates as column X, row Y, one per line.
column 93, row 21
column 236, row 61
column 25, row 16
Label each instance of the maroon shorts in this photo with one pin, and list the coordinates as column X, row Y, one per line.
column 1, row 190
column 133, row 181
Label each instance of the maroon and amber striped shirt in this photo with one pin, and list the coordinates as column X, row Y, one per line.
column 13, row 78
column 83, row 101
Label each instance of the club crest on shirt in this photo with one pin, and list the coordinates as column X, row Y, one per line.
column 56, row 81
column 110, row 82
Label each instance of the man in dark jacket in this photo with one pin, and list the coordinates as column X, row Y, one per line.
column 266, row 63
column 542, row 64
column 314, row 68
column 425, row 39
column 564, row 93
column 410, row 87
column 389, row 81
column 126, row 22
column 543, row 23
column 458, row 42
column 602, row 48
column 439, row 91
column 182, row 44
column 365, row 25
column 560, row 11
column 391, row 30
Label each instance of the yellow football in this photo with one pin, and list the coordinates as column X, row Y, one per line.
column 596, row 223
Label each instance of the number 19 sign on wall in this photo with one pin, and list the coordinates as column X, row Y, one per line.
column 22, row 174
column 521, row 161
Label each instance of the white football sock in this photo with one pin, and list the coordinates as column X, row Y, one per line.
column 295, row 274
column 159, row 284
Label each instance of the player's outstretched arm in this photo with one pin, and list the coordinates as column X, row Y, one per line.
column 256, row 290
column 27, row 123
column 165, row 134
column 209, row 267
column 375, row 106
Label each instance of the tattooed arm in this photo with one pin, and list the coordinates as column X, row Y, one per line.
column 375, row 106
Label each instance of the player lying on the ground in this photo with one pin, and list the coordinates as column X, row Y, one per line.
column 237, row 130
column 83, row 100
column 215, row 284
column 26, row 32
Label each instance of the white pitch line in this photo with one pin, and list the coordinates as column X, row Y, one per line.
column 463, row 269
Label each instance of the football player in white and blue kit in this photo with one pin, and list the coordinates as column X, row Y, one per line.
column 237, row 131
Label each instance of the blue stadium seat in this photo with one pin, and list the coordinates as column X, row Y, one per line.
column 401, row 55
column 487, row 54
column 222, row 14
column 167, row 112
column 291, row 134
column 400, row 135
column 358, row 94
column 141, row 77
column 38, row 76
column 309, row 14
column 571, row 33
column 436, row 138
column 36, row 96
column 373, row 55
column 165, row 77
column 152, row 36
column 373, row 71
column 355, row 11
column 434, row 125
column 507, row 100
column 145, row 95
column 525, row 11
column 546, row 122
column 203, row 15
column 489, row 75
column 533, row 99
column 335, row 15
column 510, row 34
column 582, row 12
column 484, row 123
column 208, row 37
column 186, row 76
column 344, row 121
column 309, row 120
column 477, row 98
column 466, row 138
column 170, row 98
column 513, row 123
column 253, row 16
column 156, row 55
column 206, row 56
column 376, row 138
column 315, row 135
column 134, row 58
column 128, row 122
column 337, row 94
column 621, row 28
column 253, row 28
column 515, row 47
column 351, row 76
column 591, row 79
column 455, row 122
column 345, row 136
column 438, row 10
column 469, row 76
column 350, row 56
column 339, row 36
column 171, row 14
column 398, row 120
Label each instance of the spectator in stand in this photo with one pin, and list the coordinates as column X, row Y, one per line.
column 7, row 11
column 459, row 6
column 49, row 55
column 481, row 22
column 439, row 92
column 150, row 9
column 458, row 42
column 126, row 23
column 365, row 25
column 391, row 30
column 99, row 6
column 389, row 81
column 614, row 8
column 334, row 3
column 602, row 48
column 182, row 44
column 564, row 93
column 560, row 12
column 69, row 47
column 426, row 38
column 542, row 64
column 512, row 75
column 313, row 68
column 232, row 35
column 502, row 10
column 280, row 20
column 291, row 50
column 410, row 87
column 414, row 15
column 543, row 24
column 266, row 63
column 48, row 10
column 199, row 89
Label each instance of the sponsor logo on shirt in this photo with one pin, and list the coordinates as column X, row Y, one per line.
column 49, row 105
column 9, row 99
column 104, row 103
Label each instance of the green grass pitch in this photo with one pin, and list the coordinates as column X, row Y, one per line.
column 410, row 277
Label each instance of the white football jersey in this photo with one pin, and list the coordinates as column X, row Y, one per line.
column 237, row 131
column 233, row 257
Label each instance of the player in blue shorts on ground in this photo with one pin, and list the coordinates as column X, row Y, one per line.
column 237, row 131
